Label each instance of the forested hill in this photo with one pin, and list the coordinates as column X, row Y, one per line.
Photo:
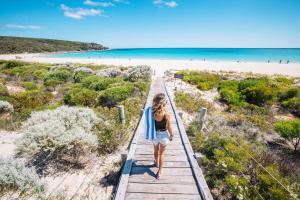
column 38, row 45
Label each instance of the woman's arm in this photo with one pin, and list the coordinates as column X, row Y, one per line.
column 168, row 125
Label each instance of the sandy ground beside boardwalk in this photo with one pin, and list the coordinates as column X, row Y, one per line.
column 161, row 65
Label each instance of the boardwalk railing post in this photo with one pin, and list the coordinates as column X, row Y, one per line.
column 141, row 112
column 121, row 114
column 202, row 117
column 180, row 114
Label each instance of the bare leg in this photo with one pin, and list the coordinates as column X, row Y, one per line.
column 156, row 148
column 161, row 157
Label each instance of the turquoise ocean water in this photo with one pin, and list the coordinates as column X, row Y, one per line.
column 273, row 55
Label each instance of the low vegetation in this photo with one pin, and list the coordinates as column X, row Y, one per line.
column 14, row 175
column 251, row 147
column 68, row 113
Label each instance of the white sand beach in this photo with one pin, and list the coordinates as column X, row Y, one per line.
column 161, row 65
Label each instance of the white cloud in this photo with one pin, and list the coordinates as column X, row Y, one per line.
column 161, row 3
column 79, row 13
column 171, row 4
column 121, row 1
column 23, row 26
column 97, row 3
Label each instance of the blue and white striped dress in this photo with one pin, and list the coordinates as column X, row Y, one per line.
column 150, row 133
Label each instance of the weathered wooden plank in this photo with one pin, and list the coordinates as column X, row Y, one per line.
column 162, row 188
column 166, row 171
column 150, row 163
column 166, row 158
column 169, row 146
column 167, row 152
column 150, row 196
column 165, row 179
column 174, row 141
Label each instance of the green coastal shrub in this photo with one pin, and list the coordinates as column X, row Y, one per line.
column 229, row 84
column 65, row 130
column 29, row 85
column 252, row 82
column 203, row 80
column 29, row 71
column 289, row 93
column 191, row 103
column 293, row 105
column 15, row 176
column 229, row 92
column 102, row 84
column 111, row 96
column 80, row 73
column 13, row 63
column 57, row 77
column 232, row 97
column 80, row 96
column 290, row 130
column 229, row 167
column 259, row 95
column 97, row 83
column 3, row 90
column 270, row 188
column 31, row 99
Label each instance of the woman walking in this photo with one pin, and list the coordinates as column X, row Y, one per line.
column 163, row 130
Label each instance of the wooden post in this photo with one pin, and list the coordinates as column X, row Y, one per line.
column 121, row 114
column 202, row 117
column 180, row 114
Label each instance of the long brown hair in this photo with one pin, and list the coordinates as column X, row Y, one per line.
column 158, row 103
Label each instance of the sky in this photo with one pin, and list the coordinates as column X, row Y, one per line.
column 157, row 23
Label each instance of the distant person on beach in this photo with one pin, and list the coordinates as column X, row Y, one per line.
column 280, row 61
column 268, row 61
column 163, row 133
column 287, row 62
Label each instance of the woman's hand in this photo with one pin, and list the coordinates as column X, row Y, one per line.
column 171, row 137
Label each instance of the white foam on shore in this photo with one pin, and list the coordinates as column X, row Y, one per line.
column 161, row 65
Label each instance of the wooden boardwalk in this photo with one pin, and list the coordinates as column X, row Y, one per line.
column 182, row 178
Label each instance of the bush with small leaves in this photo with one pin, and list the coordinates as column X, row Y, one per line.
column 138, row 73
column 97, row 83
column 203, row 80
column 80, row 96
column 29, row 72
column 15, row 176
column 80, row 73
column 84, row 69
column 192, row 103
column 29, row 85
column 232, row 97
column 111, row 96
column 31, row 99
column 12, row 64
column 269, row 188
column 290, row 130
column 57, row 77
column 258, row 95
column 6, row 107
column 109, row 72
column 3, row 90
column 293, row 105
column 60, row 130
